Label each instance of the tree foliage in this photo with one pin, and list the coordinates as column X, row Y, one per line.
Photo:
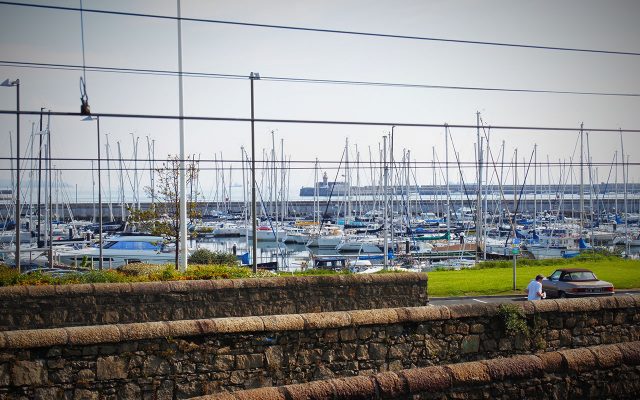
column 163, row 217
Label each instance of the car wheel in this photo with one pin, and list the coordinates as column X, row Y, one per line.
column 562, row 295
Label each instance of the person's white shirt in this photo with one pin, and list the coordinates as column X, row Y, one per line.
column 534, row 289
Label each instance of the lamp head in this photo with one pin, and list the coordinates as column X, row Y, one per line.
column 255, row 75
column 8, row 83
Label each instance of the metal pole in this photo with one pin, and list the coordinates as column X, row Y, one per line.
column 478, row 190
column 183, row 178
column 254, row 241
column 50, row 192
column 40, row 242
column 385, row 202
column 446, row 177
column 17, row 85
column 515, row 191
column 393, row 189
column 99, row 198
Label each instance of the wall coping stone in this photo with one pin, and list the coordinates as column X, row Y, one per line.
column 95, row 334
column 408, row 382
column 11, row 292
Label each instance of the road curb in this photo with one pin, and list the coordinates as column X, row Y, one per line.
column 510, row 296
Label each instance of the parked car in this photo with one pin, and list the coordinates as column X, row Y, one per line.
column 575, row 282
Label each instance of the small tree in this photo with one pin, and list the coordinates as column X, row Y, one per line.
column 163, row 218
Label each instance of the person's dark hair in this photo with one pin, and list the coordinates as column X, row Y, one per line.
column 539, row 277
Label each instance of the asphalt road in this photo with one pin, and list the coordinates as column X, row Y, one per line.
column 443, row 301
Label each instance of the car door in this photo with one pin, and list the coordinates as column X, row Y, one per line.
column 551, row 285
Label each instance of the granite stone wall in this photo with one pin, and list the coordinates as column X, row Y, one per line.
column 181, row 359
column 35, row 307
column 606, row 371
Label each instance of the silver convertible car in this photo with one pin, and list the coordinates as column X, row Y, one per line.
column 575, row 282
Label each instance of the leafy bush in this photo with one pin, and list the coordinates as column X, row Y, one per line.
column 217, row 272
column 513, row 319
column 315, row 272
column 208, row 257
column 141, row 269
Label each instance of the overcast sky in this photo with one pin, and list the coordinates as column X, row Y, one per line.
column 38, row 35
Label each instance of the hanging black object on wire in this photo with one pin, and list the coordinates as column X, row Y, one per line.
column 84, row 98
column 85, row 109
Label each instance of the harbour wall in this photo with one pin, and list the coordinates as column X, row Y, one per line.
column 48, row 306
column 86, row 211
column 187, row 358
column 607, row 371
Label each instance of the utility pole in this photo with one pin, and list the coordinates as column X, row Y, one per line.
column 40, row 241
column 254, row 258
column 183, row 173
column 386, row 205
column 513, row 222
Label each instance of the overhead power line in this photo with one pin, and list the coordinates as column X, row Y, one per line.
column 72, row 67
column 321, row 122
column 332, row 31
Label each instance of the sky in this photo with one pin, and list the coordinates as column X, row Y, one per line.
column 40, row 35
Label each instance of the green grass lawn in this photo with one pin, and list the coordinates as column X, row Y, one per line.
column 624, row 274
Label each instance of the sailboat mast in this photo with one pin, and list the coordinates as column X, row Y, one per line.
column 408, row 183
column 244, row 200
column 446, row 166
column 347, row 172
column 535, row 185
column 581, row 180
column 316, row 203
column 624, row 180
column 107, row 151
column 122, row 216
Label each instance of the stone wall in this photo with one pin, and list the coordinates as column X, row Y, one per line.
column 181, row 359
column 608, row 371
column 35, row 307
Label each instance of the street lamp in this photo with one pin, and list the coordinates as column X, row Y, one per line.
column 97, row 119
column 16, row 83
column 254, row 242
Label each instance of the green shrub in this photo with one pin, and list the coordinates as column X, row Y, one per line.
column 513, row 319
column 315, row 272
column 141, row 269
column 217, row 272
column 208, row 257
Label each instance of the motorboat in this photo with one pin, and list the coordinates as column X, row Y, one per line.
column 122, row 250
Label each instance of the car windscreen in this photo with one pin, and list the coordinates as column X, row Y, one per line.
column 580, row 276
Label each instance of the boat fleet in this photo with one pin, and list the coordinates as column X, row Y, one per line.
column 394, row 221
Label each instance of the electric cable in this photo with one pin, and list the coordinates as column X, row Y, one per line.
column 331, row 31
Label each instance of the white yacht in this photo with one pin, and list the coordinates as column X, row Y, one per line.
column 121, row 250
column 295, row 236
column 330, row 236
column 266, row 233
column 361, row 244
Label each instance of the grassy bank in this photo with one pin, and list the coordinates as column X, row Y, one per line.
column 497, row 277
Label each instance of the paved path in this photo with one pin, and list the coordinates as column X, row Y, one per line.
column 443, row 301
